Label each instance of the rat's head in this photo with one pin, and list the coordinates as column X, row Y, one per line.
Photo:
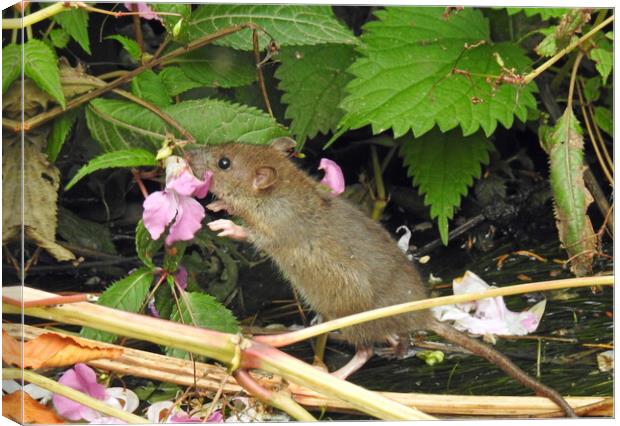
column 241, row 170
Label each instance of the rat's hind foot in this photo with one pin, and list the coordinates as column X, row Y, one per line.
column 359, row 359
column 228, row 229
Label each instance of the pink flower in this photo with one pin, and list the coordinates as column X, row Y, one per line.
column 333, row 176
column 175, row 203
column 143, row 9
column 82, row 378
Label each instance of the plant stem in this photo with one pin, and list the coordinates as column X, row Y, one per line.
column 531, row 76
column 137, row 29
column 46, row 116
column 380, row 201
column 74, row 395
column 306, row 333
column 33, row 18
column 259, row 72
column 573, row 79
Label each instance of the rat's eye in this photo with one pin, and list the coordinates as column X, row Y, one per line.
column 224, row 163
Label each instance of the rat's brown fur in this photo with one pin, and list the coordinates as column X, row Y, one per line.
column 340, row 261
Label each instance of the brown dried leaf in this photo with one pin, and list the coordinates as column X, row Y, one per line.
column 34, row 412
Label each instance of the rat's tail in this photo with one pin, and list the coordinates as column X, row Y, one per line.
column 495, row 357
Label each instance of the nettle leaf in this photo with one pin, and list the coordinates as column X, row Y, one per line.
column 313, row 79
column 604, row 120
column 603, row 56
column 561, row 35
column 592, row 89
column 118, row 124
column 59, row 38
column 405, row 79
column 75, row 22
column 170, row 21
column 444, row 166
column 151, row 88
column 130, row 45
column 60, row 130
column 11, row 64
column 544, row 12
column 564, row 144
column 176, row 82
column 215, row 66
column 289, row 25
column 40, row 64
column 202, row 310
column 120, row 158
column 128, row 294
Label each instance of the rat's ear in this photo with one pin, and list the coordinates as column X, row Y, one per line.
column 264, row 177
column 283, row 144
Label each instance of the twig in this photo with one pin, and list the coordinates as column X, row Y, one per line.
column 33, row 18
column 259, row 72
column 471, row 223
column 531, row 76
column 75, row 102
column 137, row 29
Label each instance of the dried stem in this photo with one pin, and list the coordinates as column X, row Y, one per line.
column 259, row 72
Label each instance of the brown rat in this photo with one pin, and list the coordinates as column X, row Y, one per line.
column 339, row 260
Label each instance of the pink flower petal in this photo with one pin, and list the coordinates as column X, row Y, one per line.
column 152, row 308
column 333, row 176
column 180, row 277
column 203, row 189
column 184, row 184
column 143, row 9
column 188, row 221
column 159, row 210
column 81, row 378
column 216, row 417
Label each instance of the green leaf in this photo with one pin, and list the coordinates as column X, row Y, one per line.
column 60, row 130
column 41, row 66
column 121, row 158
column 75, row 22
column 84, row 233
column 592, row 89
column 544, row 12
column 170, row 20
column 313, row 80
column 59, row 38
column 146, row 247
column 405, row 79
column 128, row 294
column 11, row 64
column 444, row 165
column 603, row 57
column 202, row 310
column 130, row 45
column 289, row 25
column 118, row 124
column 604, row 120
column 149, row 87
column 610, row 35
column 176, row 82
column 564, row 144
column 564, row 33
column 214, row 66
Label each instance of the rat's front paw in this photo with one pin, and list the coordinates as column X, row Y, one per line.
column 228, row 229
column 218, row 205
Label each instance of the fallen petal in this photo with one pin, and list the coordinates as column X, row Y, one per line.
column 333, row 176
column 403, row 242
column 81, row 378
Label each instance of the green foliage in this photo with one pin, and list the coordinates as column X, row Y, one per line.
column 60, row 130
column 75, row 22
column 591, row 89
column 404, row 76
column 444, row 165
column 604, row 120
column 128, row 294
column 561, row 35
column 603, row 56
column 145, row 246
column 151, row 88
column 11, row 64
column 119, row 124
column 59, row 38
column 84, row 233
column 313, row 80
column 119, row 158
column 170, row 21
column 214, row 66
column 176, row 82
column 564, row 144
column 205, row 311
column 130, row 45
column 544, row 12
column 40, row 65
column 290, row 25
